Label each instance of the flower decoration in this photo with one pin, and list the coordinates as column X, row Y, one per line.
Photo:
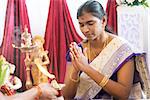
column 133, row 2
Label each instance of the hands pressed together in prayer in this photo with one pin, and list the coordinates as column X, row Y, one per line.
column 79, row 58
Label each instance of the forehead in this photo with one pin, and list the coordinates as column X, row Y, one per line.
column 87, row 17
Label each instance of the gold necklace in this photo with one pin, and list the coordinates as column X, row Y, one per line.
column 93, row 52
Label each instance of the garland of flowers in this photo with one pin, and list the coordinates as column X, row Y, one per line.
column 133, row 2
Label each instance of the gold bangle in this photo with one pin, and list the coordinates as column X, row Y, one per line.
column 104, row 81
column 39, row 90
column 73, row 80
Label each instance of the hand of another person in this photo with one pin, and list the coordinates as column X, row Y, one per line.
column 79, row 59
column 48, row 92
column 2, row 96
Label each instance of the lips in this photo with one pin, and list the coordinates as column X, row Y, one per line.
column 89, row 35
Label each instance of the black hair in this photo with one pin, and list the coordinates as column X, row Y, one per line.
column 95, row 8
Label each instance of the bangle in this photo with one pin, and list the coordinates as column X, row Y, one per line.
column 73, row 80
column 39, row 92
column 104, row 81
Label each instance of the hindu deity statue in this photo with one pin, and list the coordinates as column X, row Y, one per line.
column 38, row 57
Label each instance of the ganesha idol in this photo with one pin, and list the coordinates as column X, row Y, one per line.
column 9, row 83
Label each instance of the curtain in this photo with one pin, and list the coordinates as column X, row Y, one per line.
column 60, row 32
column 112, row 16
column 15, row 21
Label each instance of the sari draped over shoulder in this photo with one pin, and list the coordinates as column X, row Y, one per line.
column 108, row 62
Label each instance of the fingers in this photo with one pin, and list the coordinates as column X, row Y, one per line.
column 53, row 91
column 75, row 50
column 85, row 52
column 49, row 95
column 72, row 57
column 48, row 91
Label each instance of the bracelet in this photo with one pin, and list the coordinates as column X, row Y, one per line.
column 73, row 80
column 104, row 81
column 39, row 92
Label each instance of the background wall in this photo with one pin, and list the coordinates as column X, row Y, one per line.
column 3, row 4
column 135, row 27
column 38, row 12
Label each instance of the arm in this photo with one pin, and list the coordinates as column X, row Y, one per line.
column 28, row 95
column 124, row 75
column 70, row 88
column 45, row 91
column 123, row 84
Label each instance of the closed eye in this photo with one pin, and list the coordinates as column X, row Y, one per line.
column 81, row 25
column 90, row 23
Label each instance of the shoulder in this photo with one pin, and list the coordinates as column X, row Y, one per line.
column 119, row 41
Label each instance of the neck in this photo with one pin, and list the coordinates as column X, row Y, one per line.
column 96, row 46
column 101, row 39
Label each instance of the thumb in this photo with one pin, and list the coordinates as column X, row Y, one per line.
column 85, row 52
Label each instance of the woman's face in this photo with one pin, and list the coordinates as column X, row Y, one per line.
column 90, row 26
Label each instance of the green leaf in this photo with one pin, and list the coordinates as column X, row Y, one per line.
column 4, row 74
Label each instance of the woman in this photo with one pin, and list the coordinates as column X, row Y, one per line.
column 102, row 65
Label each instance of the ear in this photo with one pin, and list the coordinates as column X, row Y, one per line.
column 104, row 21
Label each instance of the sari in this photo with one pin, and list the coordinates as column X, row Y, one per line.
column 108, row 63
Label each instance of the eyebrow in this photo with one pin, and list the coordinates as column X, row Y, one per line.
column 87, row 21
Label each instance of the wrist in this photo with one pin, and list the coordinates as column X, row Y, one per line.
column 75, row 73
column 86, row 68
column 75, row 70
column 74, row 77
column 39, row 92
column 75, row 80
